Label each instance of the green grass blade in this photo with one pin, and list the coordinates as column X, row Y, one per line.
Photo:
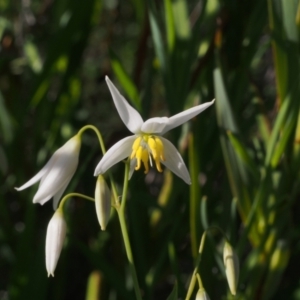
column 125, row 80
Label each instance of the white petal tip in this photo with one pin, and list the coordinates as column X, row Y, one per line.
column 96, row 173
column 50, row 274
column 16, row 188
column 41, row 203
column 103, row 228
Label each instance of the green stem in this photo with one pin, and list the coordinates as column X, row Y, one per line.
column 95, row 129
column 121, row 214
column 199, row 281
column 194, row 276
column 102, row 146
column 65, row 198
column 198, row 260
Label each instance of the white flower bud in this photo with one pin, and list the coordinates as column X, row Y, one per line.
column 231, row 263
column 56, row 233
column 202, row 295
column 102, row 202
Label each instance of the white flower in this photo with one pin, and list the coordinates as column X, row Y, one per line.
column 231, row 263
column 56, row 233
column 102, row 202
column 147, row 144
column 55, row 176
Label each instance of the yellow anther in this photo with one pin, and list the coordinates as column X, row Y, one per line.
column 152, row 146
column 160, row 148
column 158, row 166
column 145, row 158
column 139, row 154
column 142, row 149
column 135, row 147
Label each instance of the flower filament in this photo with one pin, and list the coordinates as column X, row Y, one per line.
column 142, row 149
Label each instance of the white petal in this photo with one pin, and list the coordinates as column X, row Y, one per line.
column 132, row 167
column 116, row 153
column 174, row 161
column 131, row 117
column 155, row 125
column 57, row 178
column 55, row 237
column 186, row 115
column 58, row 195
column 36, row 177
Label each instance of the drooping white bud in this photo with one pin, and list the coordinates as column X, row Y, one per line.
column 202, row 295
column 231, row 263
column 56, row 233
column 102, row 202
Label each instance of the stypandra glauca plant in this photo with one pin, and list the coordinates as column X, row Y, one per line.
column 145, row 148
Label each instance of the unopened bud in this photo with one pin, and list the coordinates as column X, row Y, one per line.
column 231, row 263
column 202, row 295
column 56, row 233
column 102, row 202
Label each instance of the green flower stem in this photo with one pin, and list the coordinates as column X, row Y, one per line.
column 102, row 146
column 194, row 276
column 65, row 198
column 199, row 281
column 198, row 260
column 121, row 214
column 95, row 129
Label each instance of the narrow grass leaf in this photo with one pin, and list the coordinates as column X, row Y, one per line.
column 242, row 152
column 157, row 36
column 170, row 27
column 182, row 24
column 125, row 80
column 5, row 121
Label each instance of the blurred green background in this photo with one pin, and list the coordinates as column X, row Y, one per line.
column 243, row 153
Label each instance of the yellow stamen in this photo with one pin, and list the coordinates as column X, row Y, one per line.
column 160, row 148
column 135, row 147
column 145, row 158
column 142, row 149
column 138, row 156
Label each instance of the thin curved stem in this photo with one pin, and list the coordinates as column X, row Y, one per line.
column 65, row 198
column 102, row 146
column 95, row 129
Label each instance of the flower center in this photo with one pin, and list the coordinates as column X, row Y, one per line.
column 146, row 146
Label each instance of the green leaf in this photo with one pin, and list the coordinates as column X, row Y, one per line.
column 125, row 80
column 241, row 151
column 289, row 11
column 182, row 24
column 170, row 26
column 157, row 36
column 280, row 120
column 5, row 121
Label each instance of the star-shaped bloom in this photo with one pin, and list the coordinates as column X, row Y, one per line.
column 147, row 144
column 55, row 176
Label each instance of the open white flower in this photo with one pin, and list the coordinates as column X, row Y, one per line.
column 55, row 176
column 147, row 144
